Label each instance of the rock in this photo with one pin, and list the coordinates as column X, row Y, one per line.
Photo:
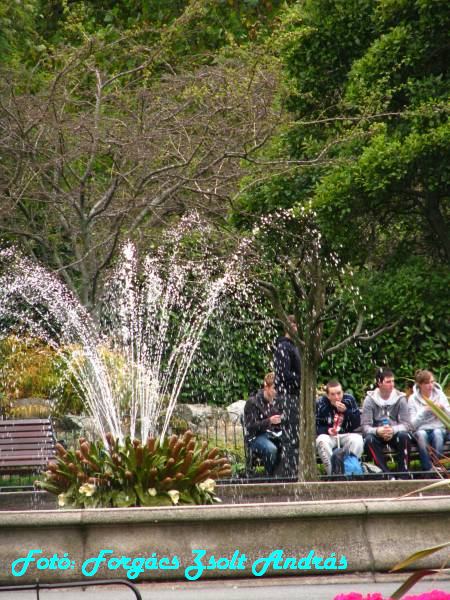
column 193, row 413
column 236, row 410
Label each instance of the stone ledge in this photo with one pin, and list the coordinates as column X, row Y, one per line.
column 372, row 534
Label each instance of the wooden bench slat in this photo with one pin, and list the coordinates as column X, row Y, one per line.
column 32, row 442
column 26, row 460
column 24, row 437
column 26, row 445
column 13, row 430
column 30, row 456
column 49, row 449
column 24, row 422
column 25, row 434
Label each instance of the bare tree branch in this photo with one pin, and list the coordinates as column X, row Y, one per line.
column 357, row 335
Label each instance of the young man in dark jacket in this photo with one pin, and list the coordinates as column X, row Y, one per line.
column 262, row 422
column 287, row 383
column 337, row 417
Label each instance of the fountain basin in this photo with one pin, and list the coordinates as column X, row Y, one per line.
column 373, row 535
column 239, row 493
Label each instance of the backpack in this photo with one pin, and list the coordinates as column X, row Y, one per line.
column 345, row 463
column 371, row 468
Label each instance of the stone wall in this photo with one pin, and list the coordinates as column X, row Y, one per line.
column 372, row 535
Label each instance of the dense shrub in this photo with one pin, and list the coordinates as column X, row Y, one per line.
column 177, row 470
column 29, row 368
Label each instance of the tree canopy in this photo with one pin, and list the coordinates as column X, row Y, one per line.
column 117, row 118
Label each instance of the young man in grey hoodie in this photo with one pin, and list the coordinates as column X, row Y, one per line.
column 428, row 429
column 385, row 420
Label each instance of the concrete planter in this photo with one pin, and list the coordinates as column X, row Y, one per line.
column 372, row 534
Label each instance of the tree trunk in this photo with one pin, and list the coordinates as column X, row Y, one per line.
column 307, row 467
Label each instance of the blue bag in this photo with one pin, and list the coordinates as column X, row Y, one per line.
column 352, row 465
column 345, row 463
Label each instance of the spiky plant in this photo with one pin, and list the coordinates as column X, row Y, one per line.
column 178, row 470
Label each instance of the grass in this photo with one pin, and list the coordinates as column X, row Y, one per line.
column 14, row 481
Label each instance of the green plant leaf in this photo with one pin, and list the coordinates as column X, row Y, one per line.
column 418, row 555
column 408, row 584
column 436, row 484
column 438, row 412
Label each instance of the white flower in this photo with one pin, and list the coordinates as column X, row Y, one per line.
column 61, row 500
column 88, row 489
column 152, row 491
column 208, row 485
column 174, row 496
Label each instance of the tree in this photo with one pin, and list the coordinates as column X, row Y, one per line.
column 371, row 79
column 300, row 274
column 368, row 89
column 97, row 156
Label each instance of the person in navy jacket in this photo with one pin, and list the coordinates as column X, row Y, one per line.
column 337, row 418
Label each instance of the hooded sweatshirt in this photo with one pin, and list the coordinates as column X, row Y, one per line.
column 375, row 409
column 420, row 415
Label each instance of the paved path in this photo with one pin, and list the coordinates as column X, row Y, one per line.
column 292, row 588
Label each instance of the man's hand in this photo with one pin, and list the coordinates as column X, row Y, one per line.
column 340, row 406
column 275, row 419
column 385, row 432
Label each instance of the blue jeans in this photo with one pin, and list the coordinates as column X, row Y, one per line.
column 434, row 437
column 267, row 450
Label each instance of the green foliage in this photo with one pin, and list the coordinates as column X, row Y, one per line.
column 183, row 29
column 367, row 83
column 368, row 86
column 18, row 39
column 235, row 353
column 415, row 294
column 278, row 192
column 376, row 98
column 29, row 368
column 177, row 470
column 320, row 40
column 439, row 413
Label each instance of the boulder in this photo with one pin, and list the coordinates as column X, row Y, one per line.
column 236, row 410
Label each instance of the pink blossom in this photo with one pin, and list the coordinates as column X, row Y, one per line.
column 357, row 596
column 433, row 595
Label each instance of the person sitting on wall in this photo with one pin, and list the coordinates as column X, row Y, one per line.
column 428, row 428
column 385, row 421
column 337, row 417
column 262, row 420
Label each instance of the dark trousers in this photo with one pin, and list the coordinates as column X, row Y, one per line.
column 288, row 465
column 374, row 447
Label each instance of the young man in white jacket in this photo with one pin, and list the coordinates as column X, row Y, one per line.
column 385, row 420
column 428, row 429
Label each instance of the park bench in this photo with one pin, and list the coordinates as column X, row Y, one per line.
column 252, row 459
column 26, row 445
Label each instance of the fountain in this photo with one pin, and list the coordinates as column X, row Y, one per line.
column 129, row 362
column 147, row 334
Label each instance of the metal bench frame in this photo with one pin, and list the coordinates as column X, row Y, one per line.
column 51, row 586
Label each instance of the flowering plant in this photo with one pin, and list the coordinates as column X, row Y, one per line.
column 433, row 595
column 407, row 585
column 178, row 470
